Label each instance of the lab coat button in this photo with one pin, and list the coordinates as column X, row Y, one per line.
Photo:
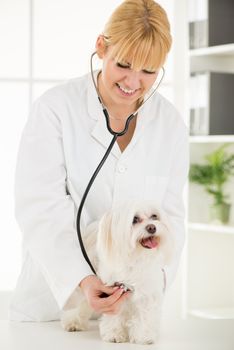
column 122, row 168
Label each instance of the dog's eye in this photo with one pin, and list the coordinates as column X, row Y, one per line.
column 154, row 217
column 136, row 219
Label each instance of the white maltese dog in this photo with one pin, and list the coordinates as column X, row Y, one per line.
column 130, row 246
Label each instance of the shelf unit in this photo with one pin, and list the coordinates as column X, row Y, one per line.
column 222, row 229
column 220, row 50
column 212, row 139
column 214, row 58
column 208, row 287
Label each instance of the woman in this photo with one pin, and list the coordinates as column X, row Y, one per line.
column 64, row 140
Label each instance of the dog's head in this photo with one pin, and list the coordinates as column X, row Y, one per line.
column 135, row 229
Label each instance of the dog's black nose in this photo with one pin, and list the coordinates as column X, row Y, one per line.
column 151, row 228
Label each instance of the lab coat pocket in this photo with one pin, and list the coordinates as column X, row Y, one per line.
column 155, row 187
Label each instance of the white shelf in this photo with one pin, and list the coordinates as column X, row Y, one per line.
column 213, row 237
column 220, row 50
column 214, row 313
column 211, row 228
column 211, row 139
column 212, row 59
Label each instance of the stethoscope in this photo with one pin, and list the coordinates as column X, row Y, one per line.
column 115, row 136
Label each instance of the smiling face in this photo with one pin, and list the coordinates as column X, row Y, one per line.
column 150, row 232
column 119, row 84
column 134, row 45
column 147, row 229
column 135, row 229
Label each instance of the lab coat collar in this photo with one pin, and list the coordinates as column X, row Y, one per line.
column 94, row 106
column 99, row 132
column 145, row 116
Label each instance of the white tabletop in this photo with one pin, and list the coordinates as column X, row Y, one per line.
column 176, row 334
column 49, row 335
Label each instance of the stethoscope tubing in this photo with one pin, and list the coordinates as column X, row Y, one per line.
column 115, row 133
column 115, row 136
column 84, row 198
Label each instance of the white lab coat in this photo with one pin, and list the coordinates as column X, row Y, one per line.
column 64, row 139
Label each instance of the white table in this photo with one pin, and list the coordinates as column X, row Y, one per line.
column 50, row 335
column 191, row 334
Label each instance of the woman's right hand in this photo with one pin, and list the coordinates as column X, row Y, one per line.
column 93, row 289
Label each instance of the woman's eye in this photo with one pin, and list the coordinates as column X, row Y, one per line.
column 126, row 66
column 122, row 65
column 136, row 219
column 154, row 217
column 149, row 71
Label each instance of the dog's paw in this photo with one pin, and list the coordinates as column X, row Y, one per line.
column 75, row 326
column 74, row 320
column 115, row 338
column 143, row 340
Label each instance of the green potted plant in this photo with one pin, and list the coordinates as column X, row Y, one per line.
column 217, row 170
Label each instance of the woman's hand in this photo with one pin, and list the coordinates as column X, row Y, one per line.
column 93, row 289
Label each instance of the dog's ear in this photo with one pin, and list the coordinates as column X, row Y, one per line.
column 104, row 238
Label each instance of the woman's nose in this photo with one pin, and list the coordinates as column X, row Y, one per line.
column 132, row 80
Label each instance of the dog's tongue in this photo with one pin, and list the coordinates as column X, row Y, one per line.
column 149, row 242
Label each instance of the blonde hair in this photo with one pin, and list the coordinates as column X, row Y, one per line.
column 139, row 31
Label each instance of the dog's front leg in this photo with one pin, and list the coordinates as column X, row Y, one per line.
column 113, row 328
column 76, row 313
column 145, row 322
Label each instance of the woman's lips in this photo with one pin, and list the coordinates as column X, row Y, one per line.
column 125, row 91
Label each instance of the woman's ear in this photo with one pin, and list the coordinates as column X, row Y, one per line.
column 100, row 46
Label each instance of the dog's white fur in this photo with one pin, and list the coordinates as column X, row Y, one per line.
column 118, row 256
